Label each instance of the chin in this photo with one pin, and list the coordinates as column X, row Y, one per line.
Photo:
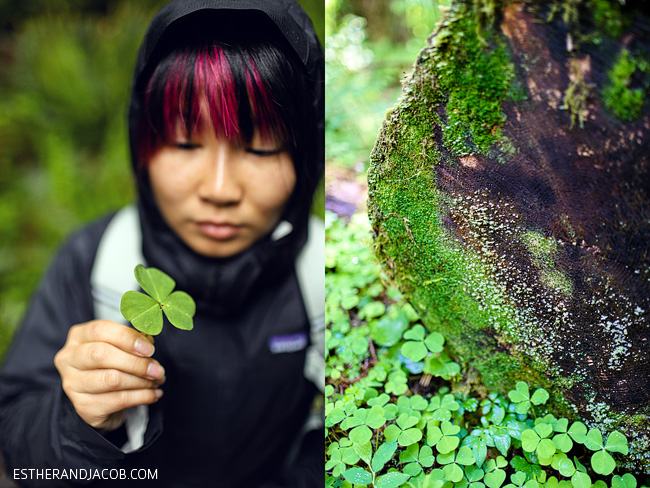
column 219, row 250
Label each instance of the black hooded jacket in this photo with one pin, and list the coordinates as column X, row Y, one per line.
column 232, row 409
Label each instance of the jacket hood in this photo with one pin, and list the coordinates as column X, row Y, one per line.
column 225, row 285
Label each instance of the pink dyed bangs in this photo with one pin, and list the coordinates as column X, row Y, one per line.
column 236, row 101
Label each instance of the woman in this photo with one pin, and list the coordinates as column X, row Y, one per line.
column 226, row 129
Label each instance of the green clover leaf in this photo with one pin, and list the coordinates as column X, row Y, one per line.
column 142, row 311
column 443, row 437
column 602, row 462
column 441, row 365
column 495, row 479
column 335, row 464
column 594, row 440
column 392, row 480
column 145, row 311
column 451, row 463
column 518, row 478
column 417, row 458
column 521, row 397
column 563, row 464
column 626, row 481
column 412, row 405
column 388, row 330
column 373, row 417
column 345, row 412
column 383, row 455
column 474, row 474
column 358, row 476
column 562, row 439
column 179, row 308
column 495, row 476
column 364, row 451
column 396, row 383
column 578, row 432
column 341, row 455
column 442, row 406
column 617, row 442
column 154, row 282
column 360, row 434
column 408, row 434
column 536, row 440
column 540, row 397
column 581, row 480
column 417, row 346
column 520, row 393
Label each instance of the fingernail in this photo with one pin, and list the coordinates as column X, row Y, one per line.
column 158, row 393
column 154, row 370
column 144, row 348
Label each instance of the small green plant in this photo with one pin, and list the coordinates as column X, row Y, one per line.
column 621, row 98
column 145, row 311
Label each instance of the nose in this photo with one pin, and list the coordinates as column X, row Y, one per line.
column 221, row 184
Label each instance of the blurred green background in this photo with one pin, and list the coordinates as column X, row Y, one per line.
column 65, row 70
column 370, row 46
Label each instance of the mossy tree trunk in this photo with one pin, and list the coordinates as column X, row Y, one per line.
column 509, row 192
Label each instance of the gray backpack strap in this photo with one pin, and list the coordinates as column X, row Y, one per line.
column 310, row 268
column 119, row 251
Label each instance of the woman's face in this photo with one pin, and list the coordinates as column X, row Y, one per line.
column 220, row 197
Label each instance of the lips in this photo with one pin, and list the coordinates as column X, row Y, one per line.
column 220, row 231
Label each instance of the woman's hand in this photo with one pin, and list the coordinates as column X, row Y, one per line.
column 105, row 368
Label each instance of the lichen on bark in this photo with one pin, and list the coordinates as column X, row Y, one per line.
column 521, row 236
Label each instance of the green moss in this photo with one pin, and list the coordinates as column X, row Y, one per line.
column 575, row 98
column 621, row 100
column 484, row 12
column 457, row 291
column 543, row 251
column 607, row 21
column 541, row 247
column 476, row 75
column 607, row 17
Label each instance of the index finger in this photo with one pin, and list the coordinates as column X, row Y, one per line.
column 119, row 335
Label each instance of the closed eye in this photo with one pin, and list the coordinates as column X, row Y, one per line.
column 187, row 146
column 264, row 152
